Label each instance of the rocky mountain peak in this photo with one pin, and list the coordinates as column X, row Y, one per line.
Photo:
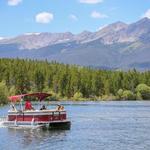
column 118, row 32
column 117, row 45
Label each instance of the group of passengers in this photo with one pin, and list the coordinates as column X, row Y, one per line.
column 28, row 106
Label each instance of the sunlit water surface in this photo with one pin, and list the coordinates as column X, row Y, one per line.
column 95, row 126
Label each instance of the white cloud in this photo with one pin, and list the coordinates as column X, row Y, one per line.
column 44, row 17
column 91, row 1
column 98, row 15
column 147, row 14
column 14, row 2
column 73, row 17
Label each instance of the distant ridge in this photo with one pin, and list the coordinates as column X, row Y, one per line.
column 118, row 45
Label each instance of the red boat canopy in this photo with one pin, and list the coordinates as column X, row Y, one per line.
column 40, row 96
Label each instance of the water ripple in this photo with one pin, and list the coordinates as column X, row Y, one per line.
column 95, row 125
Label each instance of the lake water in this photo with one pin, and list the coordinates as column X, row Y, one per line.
column 95, row 126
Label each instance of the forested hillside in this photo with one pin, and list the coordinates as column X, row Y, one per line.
column 70, row 82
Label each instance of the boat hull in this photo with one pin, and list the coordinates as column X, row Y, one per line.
column 37, row 116
column 46, row 119
column 60, row 125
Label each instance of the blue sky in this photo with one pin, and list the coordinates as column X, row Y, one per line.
column 23, row 16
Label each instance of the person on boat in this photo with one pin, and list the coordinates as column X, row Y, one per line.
column 59, row 107
column 28, row 105
column 13, row 107
column 43, row 107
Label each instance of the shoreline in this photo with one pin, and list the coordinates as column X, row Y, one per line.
column 76, row 101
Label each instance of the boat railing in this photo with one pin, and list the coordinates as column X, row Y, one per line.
column 3, row 119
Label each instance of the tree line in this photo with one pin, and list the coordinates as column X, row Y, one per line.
column 18, row 76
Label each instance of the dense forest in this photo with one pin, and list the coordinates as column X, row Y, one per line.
column 70, row 81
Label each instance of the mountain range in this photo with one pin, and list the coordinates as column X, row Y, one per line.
column 116, row 46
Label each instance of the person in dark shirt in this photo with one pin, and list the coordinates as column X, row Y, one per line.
column 43, row 107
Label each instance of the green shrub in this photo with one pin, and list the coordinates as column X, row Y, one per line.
column 138, row 96
column 144, row 90
column 120, row 93
column 128, row 95
column 78, row 96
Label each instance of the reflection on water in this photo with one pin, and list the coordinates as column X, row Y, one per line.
column 36, row 138
column 95, row 125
